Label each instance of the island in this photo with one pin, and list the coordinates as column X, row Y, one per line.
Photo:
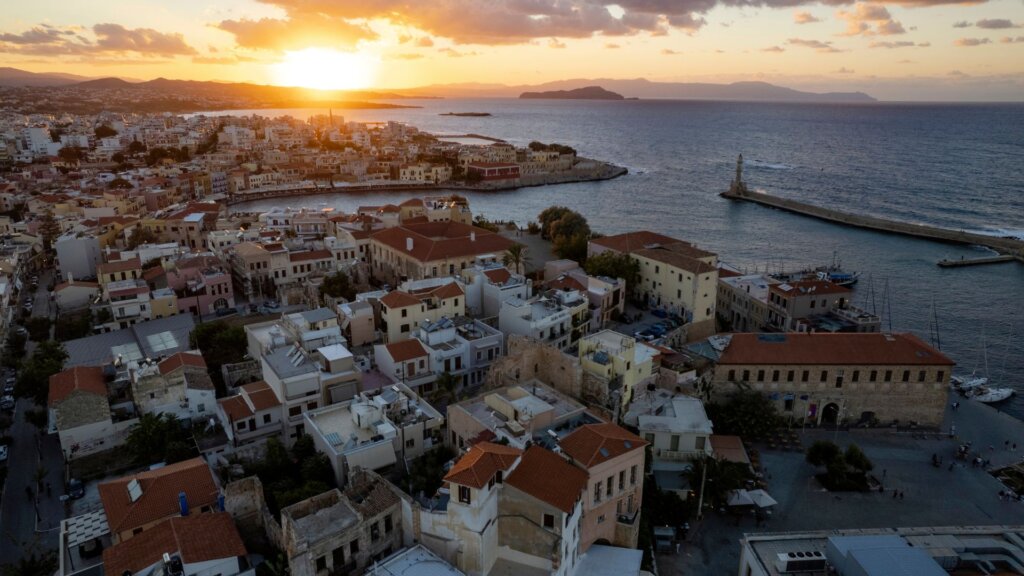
column 585, row 93
column 466, row 114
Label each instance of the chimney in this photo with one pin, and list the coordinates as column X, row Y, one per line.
column 183, row 503
column 472, row 236
column 408, row 244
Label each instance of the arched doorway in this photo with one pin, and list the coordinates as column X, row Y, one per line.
column 830, row 414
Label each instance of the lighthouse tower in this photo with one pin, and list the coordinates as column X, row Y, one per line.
column 738, row 187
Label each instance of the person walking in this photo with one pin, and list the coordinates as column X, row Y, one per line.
column 901, row 495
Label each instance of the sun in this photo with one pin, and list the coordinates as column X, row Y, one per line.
column 324, row 69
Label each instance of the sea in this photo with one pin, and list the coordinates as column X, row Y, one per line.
column 954, row 165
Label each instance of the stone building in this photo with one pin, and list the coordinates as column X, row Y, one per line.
column 432, row 249
column 842, row 377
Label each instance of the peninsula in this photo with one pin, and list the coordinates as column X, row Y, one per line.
column 585, row 93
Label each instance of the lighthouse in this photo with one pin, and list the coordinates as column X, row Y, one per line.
column 738, row 187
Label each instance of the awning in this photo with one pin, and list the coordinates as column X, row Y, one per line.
column 740, row 498
column 761, row 498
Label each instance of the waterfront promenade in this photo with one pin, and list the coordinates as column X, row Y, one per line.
column 1008, row 246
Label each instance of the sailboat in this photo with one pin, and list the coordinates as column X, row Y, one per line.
column 990, row 395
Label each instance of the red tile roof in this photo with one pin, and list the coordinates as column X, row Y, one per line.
column 863, row 349
column 75, row 284
column 160, row 489
column 406, row 350
column 119, row 266
column 549, row 478
column 309, row 255
column 444, row 291
column 439, row 240
column 567, row 282
column 676, row 259
column 631, row 241
column 807, row 287
column 84, row 378
column 479, row 465
column 235, row 408
column 595, row 444
column 197, row 538
column 172, row 363
column 498, row 275
column 261, row 395
column 399, row 299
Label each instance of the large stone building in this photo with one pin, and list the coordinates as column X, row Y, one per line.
column 843, row 377
column 432, row 249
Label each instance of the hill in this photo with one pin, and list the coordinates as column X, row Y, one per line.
column 16, row 77
column 585, row 93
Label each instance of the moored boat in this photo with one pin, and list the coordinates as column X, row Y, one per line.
column 991, row 395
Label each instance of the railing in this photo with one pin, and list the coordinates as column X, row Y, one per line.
column 629, row 518
column 679, row 454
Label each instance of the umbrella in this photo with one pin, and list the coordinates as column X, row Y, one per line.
column 761, row 498
column 740, row 498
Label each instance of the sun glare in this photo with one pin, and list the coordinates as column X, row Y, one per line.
column 324, row 69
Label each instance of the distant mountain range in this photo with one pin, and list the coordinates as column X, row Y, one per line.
column 631, row 88
column 642, row 88
column 585, row 93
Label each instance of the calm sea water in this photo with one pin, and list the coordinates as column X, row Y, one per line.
column 960, row 166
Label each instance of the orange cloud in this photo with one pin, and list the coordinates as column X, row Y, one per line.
column 817, row 45
column 109, row 39
column 863, row 16
column 805, row 18
column 296, row 33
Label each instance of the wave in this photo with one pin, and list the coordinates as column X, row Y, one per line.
column 769, row 165
column 1001, row 233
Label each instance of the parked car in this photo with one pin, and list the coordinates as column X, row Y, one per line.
column 7, row 402
column 659, row 313
column 76, row 489
column 9, row 387
column 3, row 453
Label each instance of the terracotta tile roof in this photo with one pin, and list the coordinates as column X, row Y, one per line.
column 75, row 284
column 119, row 266
column 370, row 498
column 595, row 444
column 390, row 208
column 439, row 240
column 399, row 299
column 309, row 255
column 416, row 220
column 413, row 202
column 159, row 498
column 444, row 291
column 498, row 275
column 862, row 349
column 549, row 478
column 726, row 273
column 807, row 287
column 84, row 378
column 631, row 241
column 567, row 282
column 235, row 408
column 153, row 272
column 172, row 363
column 196, row 537
column 406, row 350
column 478, row 466
column 676, row 259
column 133, row 291
column 729, row 448
column 261, row 395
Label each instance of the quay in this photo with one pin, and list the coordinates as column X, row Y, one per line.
column 1005, row 246
column 947, row 263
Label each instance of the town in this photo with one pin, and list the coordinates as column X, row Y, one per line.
column 191, row 388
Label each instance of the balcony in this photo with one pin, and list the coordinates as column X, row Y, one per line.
column 628, row 519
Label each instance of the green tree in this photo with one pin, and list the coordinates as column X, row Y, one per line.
column 104, row 131
column 445, row 390
column 822, row 452
column 615, row 265
column 119, row 184
column 117, row 157
column 70, row 154
column 857, row 459
column 37, row 417
column 338, row 285
column 220, row 343
column 549, row 216
column 43, row 564
column 721, row 478
column 159, row 438
column 570, row 225
column 749, row 414
column 34, row 378
column 517, row 257
column 141, row 235
column 14, row 350
column 571, row 247
column 136, row 147
column 49, row 229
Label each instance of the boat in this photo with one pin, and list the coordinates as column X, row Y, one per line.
column 990, row 395
column 968, row 383
column 838, row 277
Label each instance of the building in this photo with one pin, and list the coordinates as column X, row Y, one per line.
column 195, row 545
column 432, row 249
column 343, row 532
column 816, row 305
column 742, row 303
column 926, row 551
column 357, row 322
column 676, row 427
column 140, row 502
column 415, row 561
column 843, row 377
column 487, row 287
column 558, row 318
column 494, row 173
column 86, row 416
column 675, row 276
column 250, row 417
column 75, row 295
column 375, row 430
column 78, row 255
column 619, row 359
column 178, row 385
column 613, row 459
column 401, row 311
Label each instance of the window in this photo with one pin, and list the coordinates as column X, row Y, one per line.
column 353, row 547
column 266, row 418
column 600, row 519
column 464, row 494
column 805, row 376
column 549, row 521
column 240, row 425
column 789, row 376
column 321, row 563
column 873, row 376
column 732, row 375
column 410, row 443
column 746, row 375
column 939, row 376
column 597, row 493
column 375, row 532
column 760, row 375
column 775, row 375
column 856, row 376
column 608, row 484
column 311, row 406
column 405, row 313
column 888, row 375
column 389, row 525
column 906, row 375
column 699, row 442
column 404, row 328
column 813, row 302
column 295, row 410
column 632, row 476
column 920, row 376
column 622, row 480
column 824, row 375
column 788, row 405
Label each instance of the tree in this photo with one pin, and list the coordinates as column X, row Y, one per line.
column 822, row 452
column 547, row 217
column 220, row 343
column 136, row 147
column 570, row 225
column 445, row 390
column 119, row 184
column 117, row 157
column 104, row 131
column 571, row 247
column 159, row 438
column 141, row 235
column 517, row 256
column 843, row 471
column 49, row 229
column 747, row 413
column 338, row 285
column 857, row 459
column 14, row 350
column 34, row 378
column 38, row 329
column 70, row 154
column 43, row 564
column 615, row 265
column 722, row 477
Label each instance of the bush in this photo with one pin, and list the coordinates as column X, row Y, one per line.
column 38, row 329
column 844, row 472
column 822, row 452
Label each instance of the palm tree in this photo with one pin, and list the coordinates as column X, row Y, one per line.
column 518, row 256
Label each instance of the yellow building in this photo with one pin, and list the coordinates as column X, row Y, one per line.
column 402, row 312
column 620, row 358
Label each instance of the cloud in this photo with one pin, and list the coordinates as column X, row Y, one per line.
column 555, row 43
column 670, row 52
column 406, row 56
column 425, row 42
column 995, row 24
column 844, row 70
column 901, row 44
column 108, row 39
column 818, row 45
column 773, row 49
column 296, row 33
column 962, row 24
column 453, row 53
column 1011, row 40
column 612, row 46
column 225, row 60
column 860, row 20
column 968, row 42
column 957, row 74
column 805, row 18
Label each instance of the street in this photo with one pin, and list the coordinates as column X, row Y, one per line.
column 30, row 525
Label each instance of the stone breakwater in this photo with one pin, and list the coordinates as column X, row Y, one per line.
column 1008, row 246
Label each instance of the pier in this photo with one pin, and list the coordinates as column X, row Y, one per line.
column 1011, row 247
column 947, row 263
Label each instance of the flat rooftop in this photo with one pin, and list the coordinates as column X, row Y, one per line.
column 324, row 515
column 756, row 285
column 288, row 362
column 415, row 561
column 529, row 398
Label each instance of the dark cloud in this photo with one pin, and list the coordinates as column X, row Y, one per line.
column 962, row 24
column 995, row 24
column 968, row 42
column 109, row 39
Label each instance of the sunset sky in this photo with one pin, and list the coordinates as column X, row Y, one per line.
column 898, row 49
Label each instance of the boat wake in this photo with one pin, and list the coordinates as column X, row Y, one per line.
column 1001, row 233
column 769, row 165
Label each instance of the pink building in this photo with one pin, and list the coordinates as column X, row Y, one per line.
column 203, row 285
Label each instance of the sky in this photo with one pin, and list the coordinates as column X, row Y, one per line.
column 901, row 49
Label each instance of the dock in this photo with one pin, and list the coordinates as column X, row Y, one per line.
column 947, row 263
column 1012, row 247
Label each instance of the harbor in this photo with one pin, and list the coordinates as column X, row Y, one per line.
column 947, row 263
column 1011, row 248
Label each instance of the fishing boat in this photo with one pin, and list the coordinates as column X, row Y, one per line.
column 838, row 276
column 990, row 395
